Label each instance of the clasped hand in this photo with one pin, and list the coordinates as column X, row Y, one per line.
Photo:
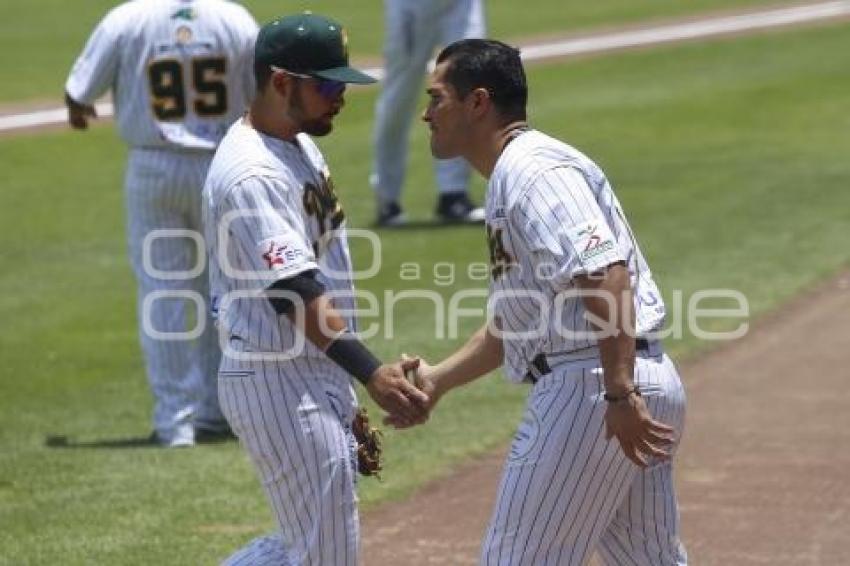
column 391, row 389
column 419, row 374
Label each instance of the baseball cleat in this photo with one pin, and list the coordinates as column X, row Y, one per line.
column 390, row 214
column 207, row 433
column 181, row 437
column 457, row 208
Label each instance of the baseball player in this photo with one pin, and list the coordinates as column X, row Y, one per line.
column 180, row 74
column 574, row 308
column 412, row 29
column 281, row 276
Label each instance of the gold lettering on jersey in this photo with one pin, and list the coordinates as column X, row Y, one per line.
column 169, row 99
column 321, row 202
column 209, row 80
column 500, row 259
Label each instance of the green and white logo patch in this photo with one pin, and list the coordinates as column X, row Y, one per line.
column 591, row 240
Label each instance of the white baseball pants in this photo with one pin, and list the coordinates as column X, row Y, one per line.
column 163, row 192
column 296, row 428
column 566, row 491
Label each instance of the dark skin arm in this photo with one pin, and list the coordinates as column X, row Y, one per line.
column 640, row 436
column 388, row 386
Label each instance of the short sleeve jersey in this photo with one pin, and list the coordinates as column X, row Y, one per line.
column 552, row 216
column 181, row 71
column 270, row 212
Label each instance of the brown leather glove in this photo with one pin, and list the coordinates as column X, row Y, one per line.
column 369, row 449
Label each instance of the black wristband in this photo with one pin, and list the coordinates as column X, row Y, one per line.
column 353, row 356
column 635, row 390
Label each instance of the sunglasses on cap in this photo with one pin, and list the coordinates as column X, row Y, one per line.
column 327, row 88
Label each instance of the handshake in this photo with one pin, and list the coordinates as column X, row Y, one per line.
column 406, row 390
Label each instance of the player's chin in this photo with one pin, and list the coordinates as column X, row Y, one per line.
column 319, row 128
column 440, row 151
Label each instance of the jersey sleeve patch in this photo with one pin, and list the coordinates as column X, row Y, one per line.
column 284, row 255
column 594, row 244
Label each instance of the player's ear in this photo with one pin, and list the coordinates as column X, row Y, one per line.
column 281, row 83
column 479, row 100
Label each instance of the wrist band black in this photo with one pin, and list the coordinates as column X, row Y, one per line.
column 635, row 390
column 353, row 356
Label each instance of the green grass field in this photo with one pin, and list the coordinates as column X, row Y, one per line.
column 729, row 163
column 40, row 40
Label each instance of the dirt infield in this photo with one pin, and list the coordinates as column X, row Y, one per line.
column 762, row 470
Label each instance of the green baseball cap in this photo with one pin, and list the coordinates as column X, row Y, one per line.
column 308, row 44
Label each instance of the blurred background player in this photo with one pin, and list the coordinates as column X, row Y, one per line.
column 180, row 72
column 413, row 28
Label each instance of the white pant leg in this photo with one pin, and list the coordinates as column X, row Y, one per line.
column 296, row 429
column 205, row 356
column 411, row 30
column 645, row 529
column 161, row 189
column 563, row 482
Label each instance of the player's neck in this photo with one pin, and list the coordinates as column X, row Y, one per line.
column 494, row 143
column 264, row 118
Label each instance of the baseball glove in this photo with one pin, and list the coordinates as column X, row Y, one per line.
column 369, row 449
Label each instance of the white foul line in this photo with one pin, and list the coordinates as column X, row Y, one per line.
column 592, row 44
column 692, row 30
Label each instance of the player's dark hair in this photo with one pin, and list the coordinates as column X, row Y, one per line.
column 262, row 75
column 491, row 65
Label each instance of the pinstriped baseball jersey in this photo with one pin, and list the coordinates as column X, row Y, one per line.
column 181, row 70
column 271, row 213
column 551, row 216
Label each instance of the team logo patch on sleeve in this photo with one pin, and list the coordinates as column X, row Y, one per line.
column 591, row 240
column 280, row 254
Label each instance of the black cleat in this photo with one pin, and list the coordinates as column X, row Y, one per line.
column 456, row 208
column 390, row 214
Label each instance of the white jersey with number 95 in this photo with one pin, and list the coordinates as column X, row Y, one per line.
column 181, row 70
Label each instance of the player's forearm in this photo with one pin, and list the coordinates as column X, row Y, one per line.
column 481, row 354
column 611, row 302
column 321, row 323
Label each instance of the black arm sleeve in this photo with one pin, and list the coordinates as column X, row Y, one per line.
column 304, row 285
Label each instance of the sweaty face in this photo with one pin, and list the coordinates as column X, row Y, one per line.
column 314, row 108
column 445, row 116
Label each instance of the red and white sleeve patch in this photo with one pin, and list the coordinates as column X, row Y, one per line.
column 283, row 254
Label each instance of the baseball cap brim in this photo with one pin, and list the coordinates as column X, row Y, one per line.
column 345, row 75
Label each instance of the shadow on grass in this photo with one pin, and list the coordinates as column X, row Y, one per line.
column 63, row 441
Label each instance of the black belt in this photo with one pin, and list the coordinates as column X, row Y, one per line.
column 539, row 366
